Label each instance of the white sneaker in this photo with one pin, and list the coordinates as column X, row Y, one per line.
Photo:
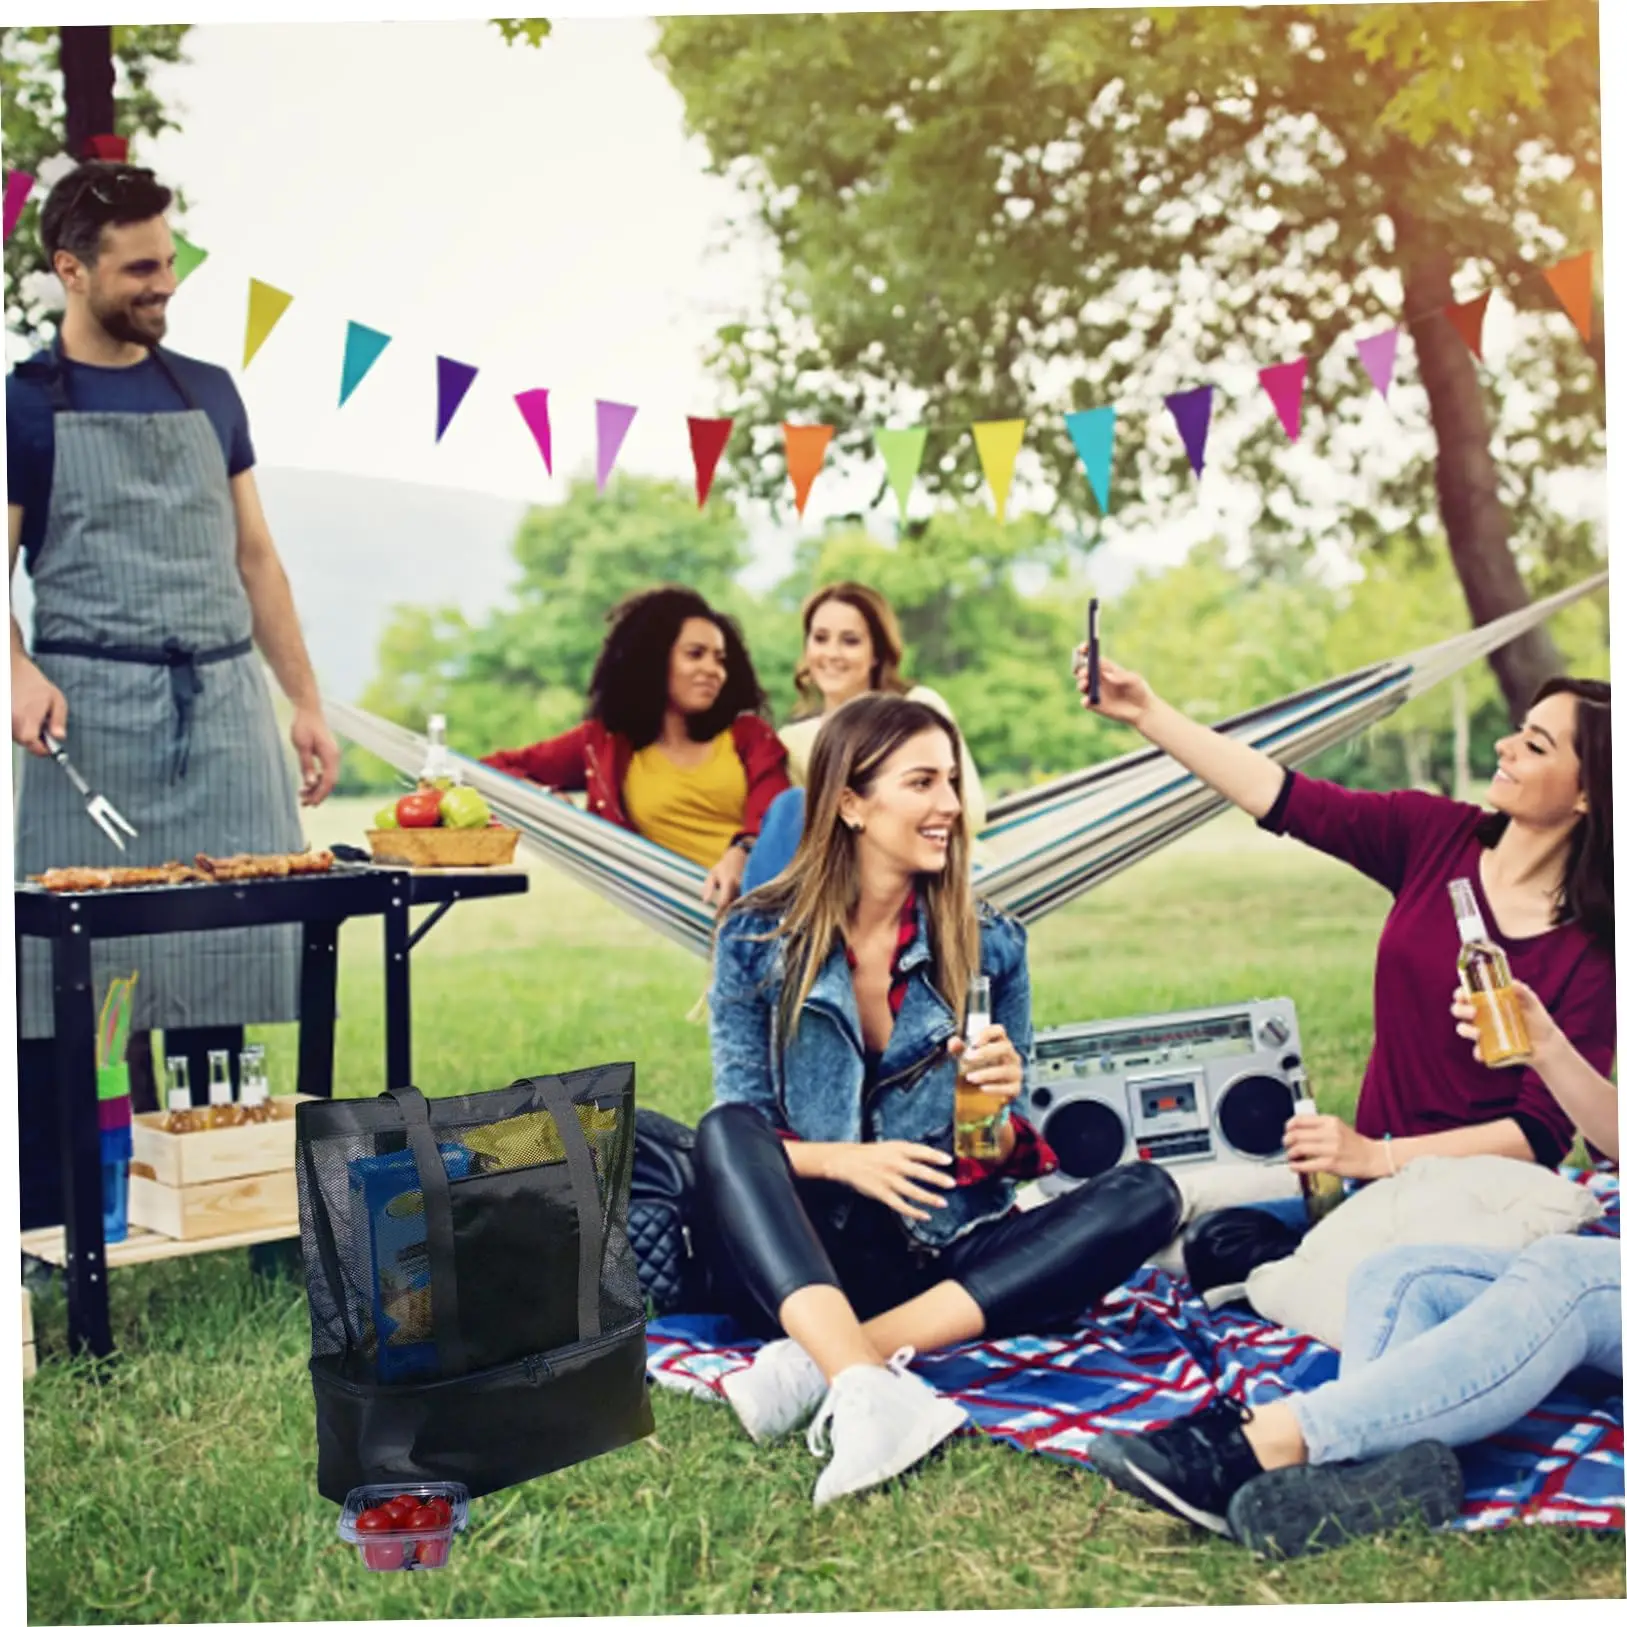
column 777, row 1392
column 879, row 1420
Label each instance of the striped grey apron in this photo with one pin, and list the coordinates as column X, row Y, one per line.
column 141, row 620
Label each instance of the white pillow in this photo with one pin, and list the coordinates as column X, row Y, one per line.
column 1483, row 1202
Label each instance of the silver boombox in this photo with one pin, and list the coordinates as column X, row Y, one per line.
column 1215, row 1086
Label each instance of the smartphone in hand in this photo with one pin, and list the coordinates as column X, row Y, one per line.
column 1093, row 655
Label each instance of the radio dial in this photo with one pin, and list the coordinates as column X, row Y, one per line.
column 1274, row 1031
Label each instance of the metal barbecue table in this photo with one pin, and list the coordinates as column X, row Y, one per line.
column 321, row 904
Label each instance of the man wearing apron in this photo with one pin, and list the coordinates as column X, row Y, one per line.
column 132, row 500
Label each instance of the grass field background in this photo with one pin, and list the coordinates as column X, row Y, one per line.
column 183, row 1487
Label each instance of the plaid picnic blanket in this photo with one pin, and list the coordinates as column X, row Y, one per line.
column 1153, row 1352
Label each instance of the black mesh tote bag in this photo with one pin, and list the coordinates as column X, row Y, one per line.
column 475, row 1305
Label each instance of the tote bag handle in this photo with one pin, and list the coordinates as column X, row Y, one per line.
column 450, row 1348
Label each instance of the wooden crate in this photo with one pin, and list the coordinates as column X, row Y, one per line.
column 215, row 1208
column 215, row 1155
column 30, row 1357
column 214, row 1183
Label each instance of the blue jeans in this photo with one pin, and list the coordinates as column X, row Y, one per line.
column 777, row 840
column 1454, row 1344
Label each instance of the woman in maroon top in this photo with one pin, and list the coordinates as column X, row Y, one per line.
column 1542, row 870
column 672, row 677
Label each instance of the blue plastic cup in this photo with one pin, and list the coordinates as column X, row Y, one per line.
column 116, row 1152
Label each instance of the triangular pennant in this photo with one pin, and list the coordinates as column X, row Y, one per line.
column 188, row 257
column 1284, row 382
column 18, row 186
column 805, row 446
column 1377, row 354
column 614, row 420
column 363, row 347
column 707, row 438
column 452, row 381
column 1092, row 436
column 901, row 451
column 1468, row 318
column 1190, row 409
column 533, row 405
column 1571, row 281
column 997, row 446
column 266, row 306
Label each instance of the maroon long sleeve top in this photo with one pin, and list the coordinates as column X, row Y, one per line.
column 1421, row 1077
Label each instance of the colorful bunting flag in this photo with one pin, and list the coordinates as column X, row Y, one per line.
column 1191, row 409
column 1377, row 355
column 1285, row 384
column 533, row 405
column 363, row 347
column 1092, row 436
column 614, row 420
column 18, row 186
column 805, row 446
column 1571, row 281
column 1468, row 318
column 452, row 381
column 266, row 307
column 188, row 257
column 901, row 451
column 997, row 446
column 707, row 438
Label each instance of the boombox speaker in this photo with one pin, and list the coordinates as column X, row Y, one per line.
column 1214, row 1086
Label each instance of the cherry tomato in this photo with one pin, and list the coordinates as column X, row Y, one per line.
column 402, row 1505
column 442, row 1508
column 384, row 1556
column 418, row 810
column 432, row 1553
column 373, row 1520
column 427, row 1518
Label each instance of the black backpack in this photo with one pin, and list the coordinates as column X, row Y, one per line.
column 682, row 1264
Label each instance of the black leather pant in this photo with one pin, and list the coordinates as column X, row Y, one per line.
column 1030, row 1271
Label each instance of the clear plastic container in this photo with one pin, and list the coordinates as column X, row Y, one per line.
column 404, row 1545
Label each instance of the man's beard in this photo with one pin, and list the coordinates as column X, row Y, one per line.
column 120, row 323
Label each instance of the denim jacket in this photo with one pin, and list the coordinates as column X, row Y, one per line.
column 815, row 1090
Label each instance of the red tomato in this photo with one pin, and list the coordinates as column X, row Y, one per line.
column 442, row 1508
column 384, row 1556
column 403, row 1503
column 432, row 1554
column 418, row 810
column 373, row 1520
column 428, row 1518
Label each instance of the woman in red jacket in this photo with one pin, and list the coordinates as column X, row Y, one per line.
column 671, row 746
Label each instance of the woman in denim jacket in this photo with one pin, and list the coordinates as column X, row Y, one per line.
column 837, row 994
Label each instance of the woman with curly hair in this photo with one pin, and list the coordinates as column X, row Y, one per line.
column 851, row 645
column 673, row 745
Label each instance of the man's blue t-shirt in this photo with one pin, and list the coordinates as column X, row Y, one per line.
column 31, row 436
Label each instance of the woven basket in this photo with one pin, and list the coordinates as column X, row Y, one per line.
column 435, row 847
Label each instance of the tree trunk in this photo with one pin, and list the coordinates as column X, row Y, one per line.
column 1460, row 739
column 1465, row 476
column 87, row 84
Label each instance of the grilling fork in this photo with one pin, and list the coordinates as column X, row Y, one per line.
column 96, row 805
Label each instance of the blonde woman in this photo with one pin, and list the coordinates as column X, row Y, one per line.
column 838, row 992
column 851, row 645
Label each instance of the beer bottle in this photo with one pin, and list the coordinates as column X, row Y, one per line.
column 223, row 1111
column 979, row 1116
column 180, row 1117
column 1324, row 1191
column 1484, row 974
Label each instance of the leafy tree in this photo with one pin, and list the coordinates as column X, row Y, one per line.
column 34, row 121
column 988, row 215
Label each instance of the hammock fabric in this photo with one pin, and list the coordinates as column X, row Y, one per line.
column 1152, row 1353
column 1042, row 847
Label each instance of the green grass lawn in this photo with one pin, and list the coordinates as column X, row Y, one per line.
column 183, row 1488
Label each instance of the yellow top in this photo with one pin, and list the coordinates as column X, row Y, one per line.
column 692, row 811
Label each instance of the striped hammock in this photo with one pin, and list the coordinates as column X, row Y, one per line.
column 1042, row 847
